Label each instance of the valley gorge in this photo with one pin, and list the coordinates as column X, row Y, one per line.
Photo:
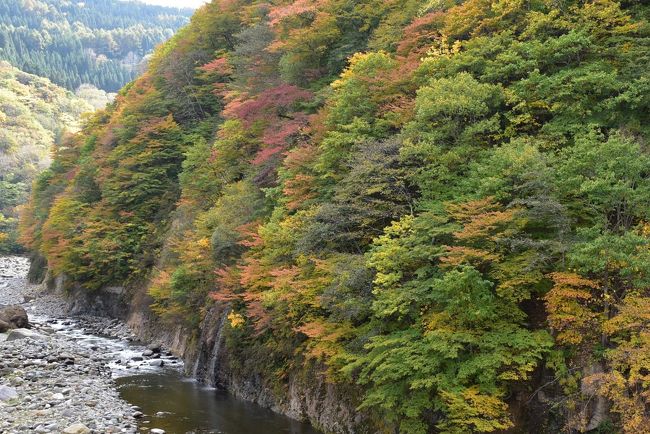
column 362, row 217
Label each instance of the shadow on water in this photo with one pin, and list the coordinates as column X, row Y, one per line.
column 180, row 405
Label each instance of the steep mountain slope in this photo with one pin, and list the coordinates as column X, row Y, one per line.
column 97, row 42
column 435, row 211
column 34, row 113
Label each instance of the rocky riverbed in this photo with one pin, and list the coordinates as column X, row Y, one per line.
column 58, row 375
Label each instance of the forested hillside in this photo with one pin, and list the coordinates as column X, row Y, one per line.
column 98, row 42
column 34, row 113
column 442, row 203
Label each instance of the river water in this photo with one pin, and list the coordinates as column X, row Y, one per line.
column 180, row 405
column 171, row 401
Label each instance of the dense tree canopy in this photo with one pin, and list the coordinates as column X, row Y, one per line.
column 444, row 203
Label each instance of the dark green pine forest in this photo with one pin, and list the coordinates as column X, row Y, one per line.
column 443, row 205
column 98, row 42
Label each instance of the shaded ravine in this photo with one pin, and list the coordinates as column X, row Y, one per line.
column 151, row 381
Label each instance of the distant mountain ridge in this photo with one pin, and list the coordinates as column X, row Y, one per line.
column 99, row 42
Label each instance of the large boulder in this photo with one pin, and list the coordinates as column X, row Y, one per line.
column 15, row 316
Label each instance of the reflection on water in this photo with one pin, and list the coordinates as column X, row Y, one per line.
column 179, row 406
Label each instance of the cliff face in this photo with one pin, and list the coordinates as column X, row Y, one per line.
column 305, row 394
column 440, row 206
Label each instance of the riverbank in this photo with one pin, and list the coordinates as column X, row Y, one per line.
column 49, row 383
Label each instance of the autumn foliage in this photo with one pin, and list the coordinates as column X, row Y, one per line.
column 441, row 205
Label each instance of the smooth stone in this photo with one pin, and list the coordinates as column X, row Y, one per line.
column 157, row 431
column 7, row 393
column 17, row 334
column 77, row 428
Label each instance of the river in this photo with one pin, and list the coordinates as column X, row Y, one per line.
column 171, row 401
column 180, row 405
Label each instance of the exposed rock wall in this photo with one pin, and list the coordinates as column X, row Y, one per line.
column 112, row 302
column 37, row 268
column 306, row 396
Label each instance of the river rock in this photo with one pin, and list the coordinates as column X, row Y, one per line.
column 155, row 348
column 63, row 357
column 77, row 428
column 17, row 334
column 15, row 316
column 7, row 393
column 157, row 431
